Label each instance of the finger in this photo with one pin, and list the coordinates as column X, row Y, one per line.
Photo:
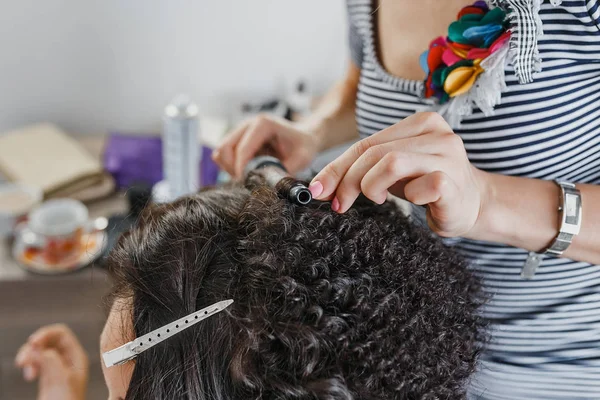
column 30, row 372
column 23, row 355
column 413, row 126
column 224, row 155
column 63, row 340
column 349, row 188
column 257, row 135
column 330, row 177
column 29, row 364
column 439, row 192
column 396, row 167
column 432, row 188
column 26, row 360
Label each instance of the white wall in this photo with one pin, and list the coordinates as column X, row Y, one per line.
column 96, row 65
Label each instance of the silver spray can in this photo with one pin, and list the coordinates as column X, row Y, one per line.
column 181, row 148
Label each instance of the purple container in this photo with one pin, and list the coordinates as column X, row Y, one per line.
column 135, row 159
column 209, row 170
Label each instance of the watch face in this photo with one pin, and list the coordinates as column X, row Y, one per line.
column 572, row 209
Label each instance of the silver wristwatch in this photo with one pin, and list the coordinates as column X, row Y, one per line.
column 570, row 225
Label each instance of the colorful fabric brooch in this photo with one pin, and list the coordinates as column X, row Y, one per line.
column 453, row 63
column 467, row 66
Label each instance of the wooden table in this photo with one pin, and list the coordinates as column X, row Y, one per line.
column 28, row 301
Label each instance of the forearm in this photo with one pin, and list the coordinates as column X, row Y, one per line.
column 334, row 121
column 523, row 212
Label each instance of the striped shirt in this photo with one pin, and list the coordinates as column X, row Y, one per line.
column 545, row 331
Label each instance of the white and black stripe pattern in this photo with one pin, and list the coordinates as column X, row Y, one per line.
column 546, row 331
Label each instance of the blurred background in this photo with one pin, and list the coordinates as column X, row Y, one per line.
column 95, row 66
column 108, row 105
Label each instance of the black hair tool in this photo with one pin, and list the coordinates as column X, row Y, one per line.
column 273, row 171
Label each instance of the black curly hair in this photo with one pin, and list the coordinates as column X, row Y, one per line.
column 356, row 306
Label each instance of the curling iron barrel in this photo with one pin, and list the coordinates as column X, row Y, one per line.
column 273, row 171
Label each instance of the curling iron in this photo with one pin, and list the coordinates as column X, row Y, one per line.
column 273, row 171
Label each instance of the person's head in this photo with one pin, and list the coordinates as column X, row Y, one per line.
column 356, row 306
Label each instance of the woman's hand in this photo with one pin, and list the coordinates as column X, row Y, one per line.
column 419, row 159
column 293, row 146
column 54, row 356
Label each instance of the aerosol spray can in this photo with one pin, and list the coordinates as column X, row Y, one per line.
column 181, row 153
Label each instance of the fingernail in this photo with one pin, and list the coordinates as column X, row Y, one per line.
column 28, row 373
column 335, row 205
column 316, row 188
column 20, row 358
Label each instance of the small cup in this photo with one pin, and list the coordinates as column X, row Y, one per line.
column 56, row 228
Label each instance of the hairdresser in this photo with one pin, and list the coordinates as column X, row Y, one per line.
column 494, row 129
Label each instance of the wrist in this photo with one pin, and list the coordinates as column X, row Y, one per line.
column 315, row 129
column 489, row 209
column 519, row 212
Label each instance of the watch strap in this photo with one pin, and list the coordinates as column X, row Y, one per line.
column 570, row 224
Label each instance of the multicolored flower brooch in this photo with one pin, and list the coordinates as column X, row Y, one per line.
column 453, row 64
column 466, row 68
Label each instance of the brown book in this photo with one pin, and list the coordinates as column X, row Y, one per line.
column 44, row 156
